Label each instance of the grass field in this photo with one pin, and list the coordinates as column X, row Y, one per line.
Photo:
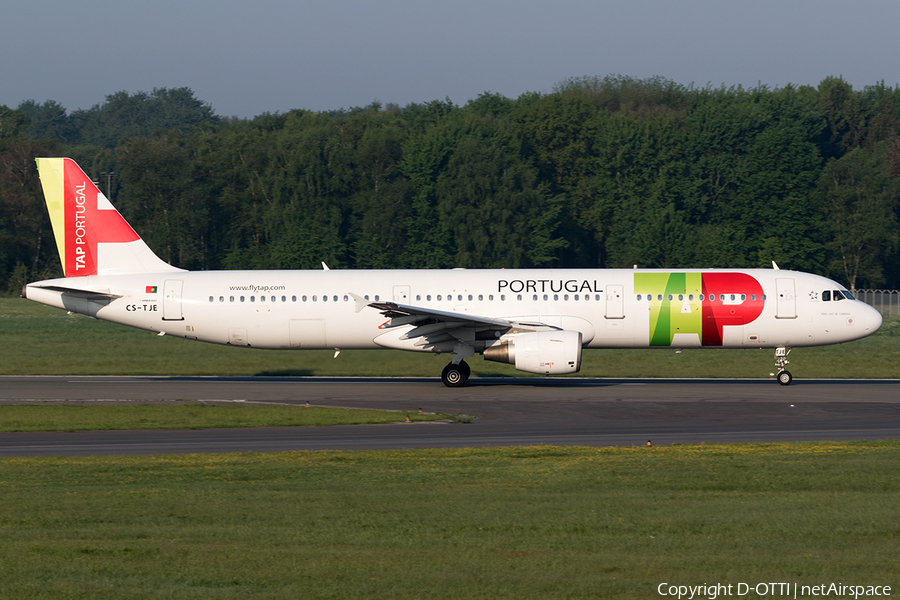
column 188, row 415
column 39, row 340
column 538, row 522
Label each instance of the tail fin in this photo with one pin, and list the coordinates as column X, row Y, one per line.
column 91, row 235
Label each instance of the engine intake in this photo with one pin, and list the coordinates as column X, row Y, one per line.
column 541, row 352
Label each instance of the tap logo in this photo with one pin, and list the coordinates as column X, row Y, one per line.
column 698, row 304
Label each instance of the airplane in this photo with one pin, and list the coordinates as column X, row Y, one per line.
column 539, row 320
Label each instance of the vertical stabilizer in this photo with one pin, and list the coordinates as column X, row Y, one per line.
column 91, row 235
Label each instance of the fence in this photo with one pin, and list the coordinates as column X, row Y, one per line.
column 886, row 301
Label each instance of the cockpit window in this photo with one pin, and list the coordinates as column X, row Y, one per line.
column 837, row 295
column 848, row 295
column 826, row 296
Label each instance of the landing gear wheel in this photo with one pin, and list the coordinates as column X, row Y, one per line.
column 785, row 377
column 466, row 370
column 455, row 375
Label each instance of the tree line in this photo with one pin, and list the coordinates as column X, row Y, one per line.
column 601, row 172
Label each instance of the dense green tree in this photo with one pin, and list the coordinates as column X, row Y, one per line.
column 160, row 195
column 859, row 202
column 47, row 121
column 602, row 172
column 125, row 115
column 27, row 248
column 13, row 124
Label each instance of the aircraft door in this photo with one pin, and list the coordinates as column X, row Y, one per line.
column 615, row 302
column 172, row 300
column 401, row 294
column 786, row 307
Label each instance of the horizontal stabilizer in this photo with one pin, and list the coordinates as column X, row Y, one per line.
column 76, row 290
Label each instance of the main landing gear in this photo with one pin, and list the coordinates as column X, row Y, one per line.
column 784, row 376
column 455, row 375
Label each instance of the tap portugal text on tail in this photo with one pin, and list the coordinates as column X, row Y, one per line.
column 539, row 320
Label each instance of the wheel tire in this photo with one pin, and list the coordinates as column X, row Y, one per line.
column 785, row 377
column 455, row 375
column 465, row 369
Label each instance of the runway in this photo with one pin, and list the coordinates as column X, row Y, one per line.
column 517, row 411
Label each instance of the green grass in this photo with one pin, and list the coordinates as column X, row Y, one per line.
column 538, row 522
column 188, row 415
column 39, row 340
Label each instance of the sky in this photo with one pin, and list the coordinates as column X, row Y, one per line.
column 248, row 58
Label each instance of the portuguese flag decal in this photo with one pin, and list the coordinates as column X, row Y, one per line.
column 151, row 289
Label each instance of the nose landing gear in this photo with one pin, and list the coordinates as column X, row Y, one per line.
column 784, row 376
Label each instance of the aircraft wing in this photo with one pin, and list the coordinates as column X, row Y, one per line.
column 435, row 326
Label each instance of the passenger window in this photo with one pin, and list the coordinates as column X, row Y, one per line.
column 470, row 297
column 324, row 298
column 597, row 297
column 826, row 296
column 659, row 297
column 480, row 297
column 680, row 297
column 242, row 298
column 566, row 297
column 753, row 297
column 210, row 298
column 376, row 297
column 231, row 298
column 252, row 298
column 670, row 297
column 545, row 297
column 519, row 296
column 418, row 297
column 439, row 297
column 576, row 296
column 639, row 298
column 316, row 298
column 293, row 298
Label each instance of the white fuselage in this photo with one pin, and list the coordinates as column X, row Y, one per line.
column 611, row 308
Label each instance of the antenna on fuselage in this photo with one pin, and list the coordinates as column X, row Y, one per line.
column 324, row 266
column 774, row 266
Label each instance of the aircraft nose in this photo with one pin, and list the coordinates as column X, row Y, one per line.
column 873, row 319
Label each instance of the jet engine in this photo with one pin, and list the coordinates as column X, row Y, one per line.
column 542, row 352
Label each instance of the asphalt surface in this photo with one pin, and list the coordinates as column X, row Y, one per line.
column 525, row 411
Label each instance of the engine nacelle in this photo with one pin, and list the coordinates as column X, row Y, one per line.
column 542, row 352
